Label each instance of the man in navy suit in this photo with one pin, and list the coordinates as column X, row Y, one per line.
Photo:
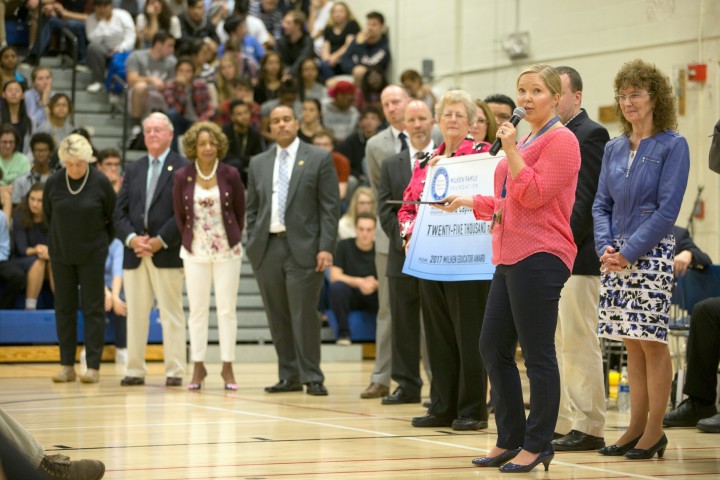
column 582, row 396
column 152, row 267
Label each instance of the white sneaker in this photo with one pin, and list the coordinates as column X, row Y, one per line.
column 94, row 87
column 121, row 356
column 82, row 68
column 83, row 362
column 343, row 341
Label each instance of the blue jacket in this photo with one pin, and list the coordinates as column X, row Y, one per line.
column 641, row 204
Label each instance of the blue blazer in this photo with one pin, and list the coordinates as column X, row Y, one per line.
column 640, row 204
column 130, row 211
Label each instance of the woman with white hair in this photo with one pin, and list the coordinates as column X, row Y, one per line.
column 78, row 202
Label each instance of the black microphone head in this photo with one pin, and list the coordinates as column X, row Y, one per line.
column 520, row 112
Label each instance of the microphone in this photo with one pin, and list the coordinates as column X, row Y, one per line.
column 518, row 114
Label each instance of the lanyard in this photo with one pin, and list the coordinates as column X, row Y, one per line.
column 524, row 145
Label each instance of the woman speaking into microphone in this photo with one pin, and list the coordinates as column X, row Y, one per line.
column 533, row 249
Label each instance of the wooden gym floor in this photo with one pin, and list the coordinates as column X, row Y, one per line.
column 154, row 433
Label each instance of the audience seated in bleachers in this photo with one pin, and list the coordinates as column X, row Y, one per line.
column 12, row 163
column 13, row 113
column 12, row 277
column 243, row 141
column 309, row 75
column 339, row 113
column 30, row 238
column 235, row 29
column 354, row 145
column 372, row 84
column 311, row 120
column 338, row 35
column 269, row 78
column 288, row 96
column 362, row 200
column 370, row 49
column 246, row 66
column 59, row 118
column 38, row 97
column 156, row 17
column 109, row 163
column 196, row 25
column 56, row 16
column 147, row 72
column 42, row 146
column 110, row 33
column 270, row 14
column 324, row 139
column 295, row 44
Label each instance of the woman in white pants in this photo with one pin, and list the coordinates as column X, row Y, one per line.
column 209, row 204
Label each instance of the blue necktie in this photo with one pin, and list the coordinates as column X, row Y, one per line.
column 282, row 184
column 154, row 174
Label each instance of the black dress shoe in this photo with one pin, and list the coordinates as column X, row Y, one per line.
column 173, row 381
column 557, row 435
column 132, row 381
column 430, row 420
column 710, row 425
column 399, row 396
column 427, row 404
column 642, row 454
column 464, row 424
column 316, row 388
column 618, row 450
column 577, row 441
column 545, row 458
column 688, row 414
column 284, row 386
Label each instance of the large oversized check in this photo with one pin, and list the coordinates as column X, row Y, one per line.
column 453, row 246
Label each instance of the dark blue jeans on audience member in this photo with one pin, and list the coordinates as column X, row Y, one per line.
column 523, row 305
column 119, row 324
column 13, row 280
column 180, row 126
column 344, row 298
column 50, row 25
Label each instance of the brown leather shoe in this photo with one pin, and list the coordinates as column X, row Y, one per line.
column 60, row 466
column 375, row 390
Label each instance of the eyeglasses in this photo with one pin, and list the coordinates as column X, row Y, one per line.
column 633, row 97
column 451, row 115
column 111, row 164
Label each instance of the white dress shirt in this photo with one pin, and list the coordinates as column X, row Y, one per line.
column 429, row 148
column 292, row 149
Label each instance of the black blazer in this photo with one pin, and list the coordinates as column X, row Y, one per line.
column 592, row 138
column 683, row 241
column 395, row 174
column 130, row 211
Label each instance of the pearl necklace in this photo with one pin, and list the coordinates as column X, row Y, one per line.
column 207, row 178
column 67, row 181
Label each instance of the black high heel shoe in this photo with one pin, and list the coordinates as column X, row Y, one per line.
column 641, row 454
column 618, row 450
column 497, row 460
column 545, row 458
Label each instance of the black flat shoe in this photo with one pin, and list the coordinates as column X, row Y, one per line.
column 284, row 386
column 640, row 454
column 465, row 424
column 498, row 460
column 618, row 450
column 545, row 458
column 577, row 441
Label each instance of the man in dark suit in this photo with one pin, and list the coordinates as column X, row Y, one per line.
column 582, row 398
column 395, row 175
column 293, row 207
column 152, row 268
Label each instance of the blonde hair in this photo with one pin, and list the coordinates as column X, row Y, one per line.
column 352, row 208
column 75, row 146
column 452, row 97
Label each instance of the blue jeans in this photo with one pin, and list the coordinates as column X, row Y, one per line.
column 50, row 25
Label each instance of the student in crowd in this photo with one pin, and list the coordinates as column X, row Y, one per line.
column 485, row 126
column 30, row 237
column 413, row 82
column 309, row 74
column 243, row 142
column 339, row 113
column 156, row 17
column 8, row 67
column 353, row 279
column 502, row 107
column 339, row 34
column 109, row 163
column 362, row 200
column 110, row 31
column 148, row 70
column 311, row 120
column 324, row 139
column 12, row 112
column 270, row 78
column 42, row 146
column 38, row 97
column 354, row 145
column 59, row 118
column 12, row 163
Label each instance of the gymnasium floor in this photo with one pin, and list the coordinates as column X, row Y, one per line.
column 154, row 433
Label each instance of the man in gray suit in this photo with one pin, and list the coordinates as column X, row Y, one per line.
column 293, row 207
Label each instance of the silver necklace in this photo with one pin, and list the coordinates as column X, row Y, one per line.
column 67, row 181
column 207, row 178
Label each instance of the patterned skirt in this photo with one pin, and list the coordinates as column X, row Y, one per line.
column 635, row 303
